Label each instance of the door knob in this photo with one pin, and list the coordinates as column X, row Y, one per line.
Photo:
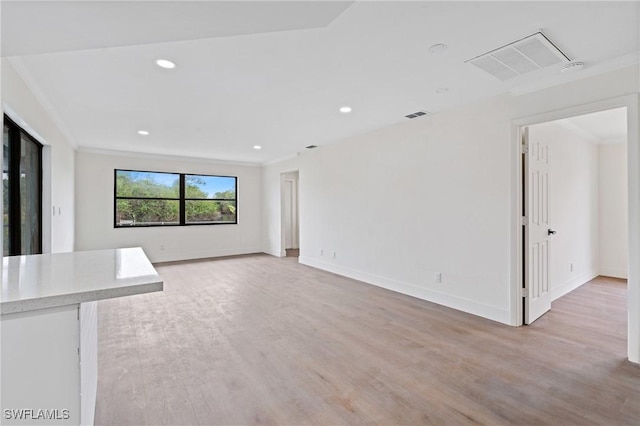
column 550, row 232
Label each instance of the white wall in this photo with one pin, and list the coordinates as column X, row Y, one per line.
column 95, row 210
column 20, row 103
column 401, row 204
column 573, row 207
column 614, row 223
column 428, row 195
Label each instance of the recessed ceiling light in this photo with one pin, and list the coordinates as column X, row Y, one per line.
column 143, row 132
column 165, row 63
column 345, row 109
column 573, row 66
column 442, row 90
column 438, row 48
column 257, row 147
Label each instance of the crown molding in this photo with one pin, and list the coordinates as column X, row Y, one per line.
column 589, row 71
column 152, row 156
column 281, row 159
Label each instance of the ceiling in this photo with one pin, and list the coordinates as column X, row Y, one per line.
column 275, row 73
column 604, row 127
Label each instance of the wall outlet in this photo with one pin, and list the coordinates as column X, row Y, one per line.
column 438, row 277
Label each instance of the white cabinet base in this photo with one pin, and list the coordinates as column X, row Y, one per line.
column 48, row 356
column 49, row 330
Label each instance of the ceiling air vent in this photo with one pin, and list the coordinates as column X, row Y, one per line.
column 520, row 57
column 417, row 114
column 311, row 146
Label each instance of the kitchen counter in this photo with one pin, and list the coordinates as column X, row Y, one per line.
column 49, row 329
column 50, row 280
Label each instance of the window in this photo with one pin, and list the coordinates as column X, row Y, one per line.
column 209, row 199
column 22, row 191
column 144, row 198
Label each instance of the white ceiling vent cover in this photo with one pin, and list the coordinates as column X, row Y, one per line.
column 523, row 56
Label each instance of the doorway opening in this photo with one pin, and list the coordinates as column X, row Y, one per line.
column 575, row 223
column 631, row 102
column 290, row 238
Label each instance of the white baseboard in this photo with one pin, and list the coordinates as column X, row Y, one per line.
column 169, row 256
column 272, row 253
column 614, row 272
column 572, row 284
column 455, row 302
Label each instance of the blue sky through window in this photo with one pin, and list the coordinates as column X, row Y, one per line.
column 211, row 185
column 214, row 184
column 167, row 179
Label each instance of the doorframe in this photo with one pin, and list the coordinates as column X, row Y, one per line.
column 290, row 190
column 284, row 176
column 631, row 102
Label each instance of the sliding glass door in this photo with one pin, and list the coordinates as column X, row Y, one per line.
column 5, row 190
column 22, row 191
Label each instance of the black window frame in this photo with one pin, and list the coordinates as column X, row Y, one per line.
column 15, row 134
column 182, row 199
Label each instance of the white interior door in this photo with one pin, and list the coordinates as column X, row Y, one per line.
column 538, row 300
column 295, row 226
column 288, row 214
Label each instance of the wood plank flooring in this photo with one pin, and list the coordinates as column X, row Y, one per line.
column 262, row 340
column 293, row 252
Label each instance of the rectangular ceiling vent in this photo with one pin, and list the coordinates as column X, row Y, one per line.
column 417, row 114
column 520, row 57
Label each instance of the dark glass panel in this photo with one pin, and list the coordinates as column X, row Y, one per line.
column 147, row 184
column 208, row 211
column 144, row 212
column 5, row 190
column 203, row 187
column 30, row 196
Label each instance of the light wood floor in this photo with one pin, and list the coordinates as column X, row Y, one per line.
column 262, row 340
column 293, row 252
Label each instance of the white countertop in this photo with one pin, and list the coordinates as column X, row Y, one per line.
column 49, row 280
